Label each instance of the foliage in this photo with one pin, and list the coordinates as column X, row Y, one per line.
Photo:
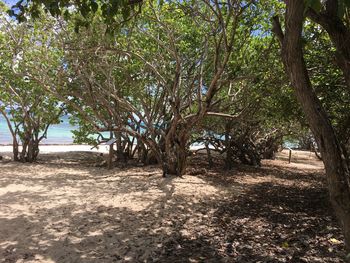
column 342, row 8
column 183, row 72
column 28, row 109
column 112, row 13
column 328, row 81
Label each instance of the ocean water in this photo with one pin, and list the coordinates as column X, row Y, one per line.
column 62, row 134
column 57, row 134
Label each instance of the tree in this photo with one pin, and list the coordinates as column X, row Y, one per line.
column 261, row 96
column 334, row 17
column 328, row 80
column 113, row 12
column 26, row 107
column 337, row 170
column 168, row 94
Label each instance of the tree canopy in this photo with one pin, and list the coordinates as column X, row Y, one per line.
column 237, row 77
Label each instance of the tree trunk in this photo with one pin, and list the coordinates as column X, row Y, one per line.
column 23, row 154
column 110, row 157
column 228, row 146
column 337, row 171
column 15, row 150
column 30, row 151
column 121, row 156
column 271, row 147
column 175, row 155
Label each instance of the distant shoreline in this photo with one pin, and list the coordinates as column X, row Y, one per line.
column 59, row 148
column 47, row 144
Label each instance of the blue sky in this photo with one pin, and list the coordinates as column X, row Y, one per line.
column 10, row 2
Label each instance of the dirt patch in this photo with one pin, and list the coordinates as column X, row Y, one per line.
column 63, row 211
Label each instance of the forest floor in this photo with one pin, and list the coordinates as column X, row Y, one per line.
column 63, row 209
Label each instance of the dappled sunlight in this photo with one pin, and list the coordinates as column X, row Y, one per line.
column 63, row 213
column 174, row 131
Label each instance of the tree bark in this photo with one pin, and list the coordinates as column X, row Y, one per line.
column 228, row 146
column 175, row 154
column 15, row 150
column 337, row 171
column 30, row 150
column 121, row 154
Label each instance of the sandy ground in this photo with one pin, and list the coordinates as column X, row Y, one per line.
column 62, row 209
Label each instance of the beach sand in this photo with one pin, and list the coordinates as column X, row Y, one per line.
column 7, row 149
column 63, row 209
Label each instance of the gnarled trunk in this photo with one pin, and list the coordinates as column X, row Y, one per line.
column 337, row 171
column 30, row 150
column 271, row 147
column 121, row 152
column 174, row 156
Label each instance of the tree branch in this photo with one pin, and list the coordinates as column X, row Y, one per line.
column 277, row 29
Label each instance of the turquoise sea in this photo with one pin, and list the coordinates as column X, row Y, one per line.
column 57, row 134
column 62, row 134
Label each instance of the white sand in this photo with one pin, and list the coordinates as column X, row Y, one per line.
column 62, row 211
column 61, row 148
column 65, row 212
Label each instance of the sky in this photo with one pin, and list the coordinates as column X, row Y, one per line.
column 10, row 2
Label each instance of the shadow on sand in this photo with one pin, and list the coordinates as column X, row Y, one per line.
column 67, row 215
